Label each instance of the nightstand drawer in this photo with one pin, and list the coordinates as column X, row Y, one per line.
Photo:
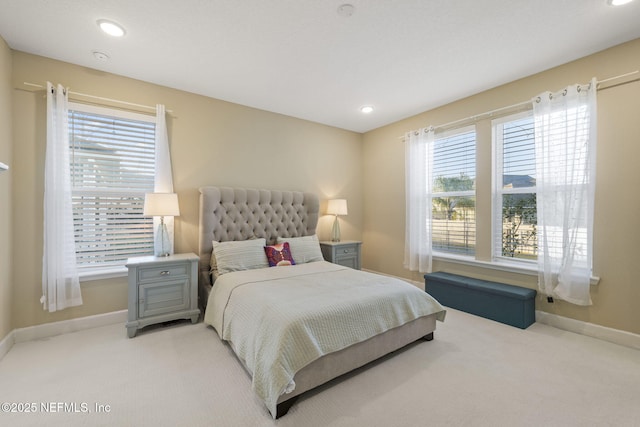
column 351, row 261
column 164, row 297
column 166, row 272
column 347, row 250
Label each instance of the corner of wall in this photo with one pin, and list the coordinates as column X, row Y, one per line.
column 6, row 142
column 6, row 343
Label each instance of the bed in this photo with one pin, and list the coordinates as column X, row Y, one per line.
column 296, row 327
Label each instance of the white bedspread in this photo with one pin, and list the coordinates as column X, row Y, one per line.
column 280, row 319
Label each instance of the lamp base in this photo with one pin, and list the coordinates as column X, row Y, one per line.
column 335, row 231
column 162, row 243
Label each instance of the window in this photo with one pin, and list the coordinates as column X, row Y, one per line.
column 453, row 192
column 112, row 161
column 514, row 207
column 540, row 208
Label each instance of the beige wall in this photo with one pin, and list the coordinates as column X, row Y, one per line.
column 212, row 143
column 218, row 143
column 5, row 189
column 615, row 299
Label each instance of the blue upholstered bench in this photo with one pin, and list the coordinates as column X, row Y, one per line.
column 504, row 303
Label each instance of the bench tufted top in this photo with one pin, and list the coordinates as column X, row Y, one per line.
column 228, row 214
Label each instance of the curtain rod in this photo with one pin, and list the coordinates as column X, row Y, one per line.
column 517, row 105
column 100, row 98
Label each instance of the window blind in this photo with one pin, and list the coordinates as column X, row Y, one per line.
column 453, row 197
column 519, row 158
column 515, row 213
column 112, row 167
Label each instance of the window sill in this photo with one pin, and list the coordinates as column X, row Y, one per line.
column 104, row 273
column 510, row 267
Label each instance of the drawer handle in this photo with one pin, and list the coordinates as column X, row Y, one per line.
column 165, row 273
column 346, row 251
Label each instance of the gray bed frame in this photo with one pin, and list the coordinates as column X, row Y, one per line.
column 228, row 214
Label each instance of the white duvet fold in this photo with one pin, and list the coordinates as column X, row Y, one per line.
column 281, row 319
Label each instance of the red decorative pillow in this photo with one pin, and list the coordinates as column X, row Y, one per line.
column 279, row 255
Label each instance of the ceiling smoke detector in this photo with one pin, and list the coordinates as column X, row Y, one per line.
column 346, row 10
column 100, row 56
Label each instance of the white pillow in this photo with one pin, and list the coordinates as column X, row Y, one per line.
column 304, row 249
column 238, row 255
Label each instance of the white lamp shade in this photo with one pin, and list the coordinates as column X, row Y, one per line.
column 161, row 204
column 337, row 207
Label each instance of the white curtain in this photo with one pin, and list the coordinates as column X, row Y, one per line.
column 565, row 144
column 418, row 183
column 164, row 177
column 60, row 281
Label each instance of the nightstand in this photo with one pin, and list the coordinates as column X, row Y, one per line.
column 345, row 253
column 162, row 289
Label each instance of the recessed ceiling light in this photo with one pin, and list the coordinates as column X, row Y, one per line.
column 366, row 109
column 618, row 2
column 111, row 28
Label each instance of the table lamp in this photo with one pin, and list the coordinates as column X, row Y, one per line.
column 336, row 207
column 161, row 204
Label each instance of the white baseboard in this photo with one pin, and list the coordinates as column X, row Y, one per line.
column 6, row 343
column 72, row 325
column 413, row 282
column 57, row 328
column 615, row 336
column 604, row 333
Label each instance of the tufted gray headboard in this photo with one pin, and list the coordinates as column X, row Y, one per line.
column 241, row 213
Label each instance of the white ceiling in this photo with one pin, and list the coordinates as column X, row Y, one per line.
column 303, row 59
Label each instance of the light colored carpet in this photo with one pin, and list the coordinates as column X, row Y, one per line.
column 475, row 373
